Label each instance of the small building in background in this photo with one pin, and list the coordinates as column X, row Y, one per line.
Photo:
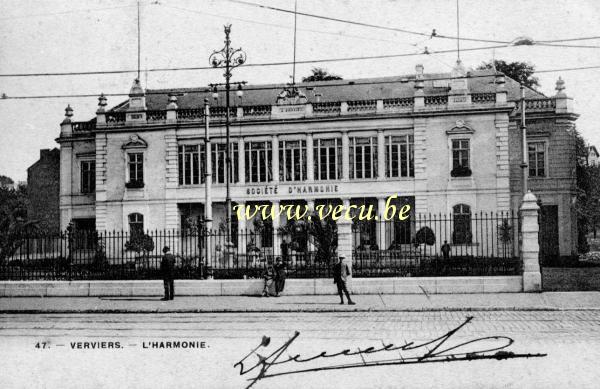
column 43, row 190
column 593, row 156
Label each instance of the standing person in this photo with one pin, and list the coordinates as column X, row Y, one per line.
column 446, row 250
column 341, row 272
column 166, row 268
column 269, row 277
column 284, row 249
column 280, row 274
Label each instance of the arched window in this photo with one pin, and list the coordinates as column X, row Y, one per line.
column 136, row 223
column 462, row 224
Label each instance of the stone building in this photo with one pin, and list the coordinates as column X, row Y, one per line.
column 444, row 143
column 593, row 158
column 43, row 178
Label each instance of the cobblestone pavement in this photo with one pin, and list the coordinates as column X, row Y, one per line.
column 571, row 340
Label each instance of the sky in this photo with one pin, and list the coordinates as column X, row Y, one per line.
column 89, row 35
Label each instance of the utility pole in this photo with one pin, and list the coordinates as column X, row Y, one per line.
column 524, row 136
column 228, row 59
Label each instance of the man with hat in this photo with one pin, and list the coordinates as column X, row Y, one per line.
column 166, row 268
column 341, row 272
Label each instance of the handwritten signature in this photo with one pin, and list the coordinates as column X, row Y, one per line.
column 427, row 352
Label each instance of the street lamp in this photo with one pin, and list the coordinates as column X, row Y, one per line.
column 228, row 59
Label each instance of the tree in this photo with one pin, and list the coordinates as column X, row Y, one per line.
column 13, row 221
column 588, row 193
column 6, row 182
column 140, row 243
column 425, row 236
column 325, row 235
column 522, row 72
column 320, row 74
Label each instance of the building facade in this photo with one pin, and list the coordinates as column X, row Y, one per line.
column 43, row 190
column 593, row 158
column 442, row 143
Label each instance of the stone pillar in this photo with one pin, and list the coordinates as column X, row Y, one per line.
column 564, row 104
column 66, row 169
column 530, row 249
column 275, row 158
column 380, row 156
column 343, row 108
column 310, row 166
column 501, row 94
column 419, row 98
column 101, row 112
column 241, row 162
column 345, row 235
column 345, row 156
column 276, row 224
column 172, row 109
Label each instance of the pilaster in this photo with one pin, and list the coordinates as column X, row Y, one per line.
column 275, row 158
column 502, row 163
column 380, row 155
column 310, row 168
column 241, row 162
column 101, row 162
column 345, row 156
column 171, row 180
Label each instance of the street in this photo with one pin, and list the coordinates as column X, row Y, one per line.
column 66, row 350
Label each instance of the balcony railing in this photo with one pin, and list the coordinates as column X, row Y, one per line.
column 115, row 118
column 540, row 104
column 400, row 103
column 319, row 109
column 329, row 108
column 190, row 114
column 362, row 106
column 83, row 126
column 257, row 111
column 436, row 100
column 483, row 98
column 156, row 116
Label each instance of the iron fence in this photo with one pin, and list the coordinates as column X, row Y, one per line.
column 442, row 245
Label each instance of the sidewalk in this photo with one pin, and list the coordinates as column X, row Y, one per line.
column 551, row 301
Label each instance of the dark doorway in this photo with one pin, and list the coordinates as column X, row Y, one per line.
column 549, row 250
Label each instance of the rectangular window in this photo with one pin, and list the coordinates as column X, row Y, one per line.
column 88, row 176
column 136, row 168
column 191, row 164
column 292, row 160
column 537, row 159
column 219, row 162
column 460, row 153
column 363, row 158
column 399, row 156
column 328, row 159
column 258, row 161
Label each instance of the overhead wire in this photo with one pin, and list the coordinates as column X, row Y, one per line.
column 433, row 34
column 347, row 83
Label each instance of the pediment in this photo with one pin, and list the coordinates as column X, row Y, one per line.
column 460, row 128
column 135, row 142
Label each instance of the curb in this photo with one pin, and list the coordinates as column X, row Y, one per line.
column 355, row 310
